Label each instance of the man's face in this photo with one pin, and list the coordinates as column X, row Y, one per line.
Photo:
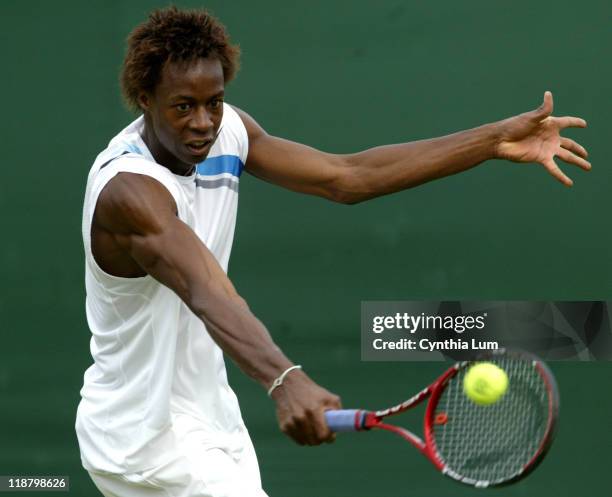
column 185, row 110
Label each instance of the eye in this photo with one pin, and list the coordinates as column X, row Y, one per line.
column 183, row 107
column 216, row 103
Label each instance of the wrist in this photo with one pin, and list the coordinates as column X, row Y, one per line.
column 279, row 380
column 293, row 379
column 494, row 133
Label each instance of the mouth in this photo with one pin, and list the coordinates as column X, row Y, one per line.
column 199, row 147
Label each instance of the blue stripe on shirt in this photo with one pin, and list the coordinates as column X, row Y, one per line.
column 221, row 164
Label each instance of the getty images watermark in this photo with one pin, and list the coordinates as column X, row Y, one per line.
column 417, row 326
column 435, row 330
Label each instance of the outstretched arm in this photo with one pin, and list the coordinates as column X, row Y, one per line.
column 140, row 214
column 529, row 137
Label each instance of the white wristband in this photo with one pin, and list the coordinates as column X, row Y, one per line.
column 279, row 381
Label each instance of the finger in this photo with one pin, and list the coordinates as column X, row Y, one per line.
column 308, row 429
column 331, row 439
column 291, row 432
column 294, row 434
column 554, row 170
column 570, row 158
column 334, row 402
column 570, row 122
column 297, row 439
column 331, row 403
column 301, row 435
column 572, row 146
column 293, row 429
column 322, row 430
column 544, row 110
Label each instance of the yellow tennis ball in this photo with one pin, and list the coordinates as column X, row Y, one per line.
column 485, row 383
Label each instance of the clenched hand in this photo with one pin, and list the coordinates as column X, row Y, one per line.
column 300, row 408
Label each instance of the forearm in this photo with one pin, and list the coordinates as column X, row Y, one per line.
column 387, row 169
column 240, row 334
column 145, row 225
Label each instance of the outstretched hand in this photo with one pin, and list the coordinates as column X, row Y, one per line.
column 534, row 137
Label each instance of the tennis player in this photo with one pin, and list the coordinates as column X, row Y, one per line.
column 157, row 416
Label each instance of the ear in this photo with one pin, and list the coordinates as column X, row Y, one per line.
column 144, row 101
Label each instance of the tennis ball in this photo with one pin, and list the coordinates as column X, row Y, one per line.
column 485, row 383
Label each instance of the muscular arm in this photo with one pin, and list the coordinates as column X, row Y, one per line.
column 140, row 214
column 350, row 178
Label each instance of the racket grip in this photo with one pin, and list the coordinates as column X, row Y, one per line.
column 345, row 419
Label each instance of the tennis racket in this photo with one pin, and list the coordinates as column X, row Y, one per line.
column 482, row 446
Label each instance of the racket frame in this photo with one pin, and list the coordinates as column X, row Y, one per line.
column 366, row 420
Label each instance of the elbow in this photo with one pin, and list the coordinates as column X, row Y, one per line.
column 348, row 191
column 348, row 183
column 346, row 198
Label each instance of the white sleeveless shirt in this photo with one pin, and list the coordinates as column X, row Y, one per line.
column 153, row 358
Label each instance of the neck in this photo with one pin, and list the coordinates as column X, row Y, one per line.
column 161, row 154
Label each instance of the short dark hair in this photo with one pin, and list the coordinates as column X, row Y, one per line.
column 173, row 35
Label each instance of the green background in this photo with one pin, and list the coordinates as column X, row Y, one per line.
column 341, row 76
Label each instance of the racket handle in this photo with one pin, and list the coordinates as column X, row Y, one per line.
column 345, row 419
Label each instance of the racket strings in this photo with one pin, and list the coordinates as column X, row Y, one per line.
column 493, row 443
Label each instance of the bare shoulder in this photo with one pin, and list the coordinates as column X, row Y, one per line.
column 254, row 130
column 134, row 204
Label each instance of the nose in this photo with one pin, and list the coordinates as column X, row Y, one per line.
column 201, row 120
